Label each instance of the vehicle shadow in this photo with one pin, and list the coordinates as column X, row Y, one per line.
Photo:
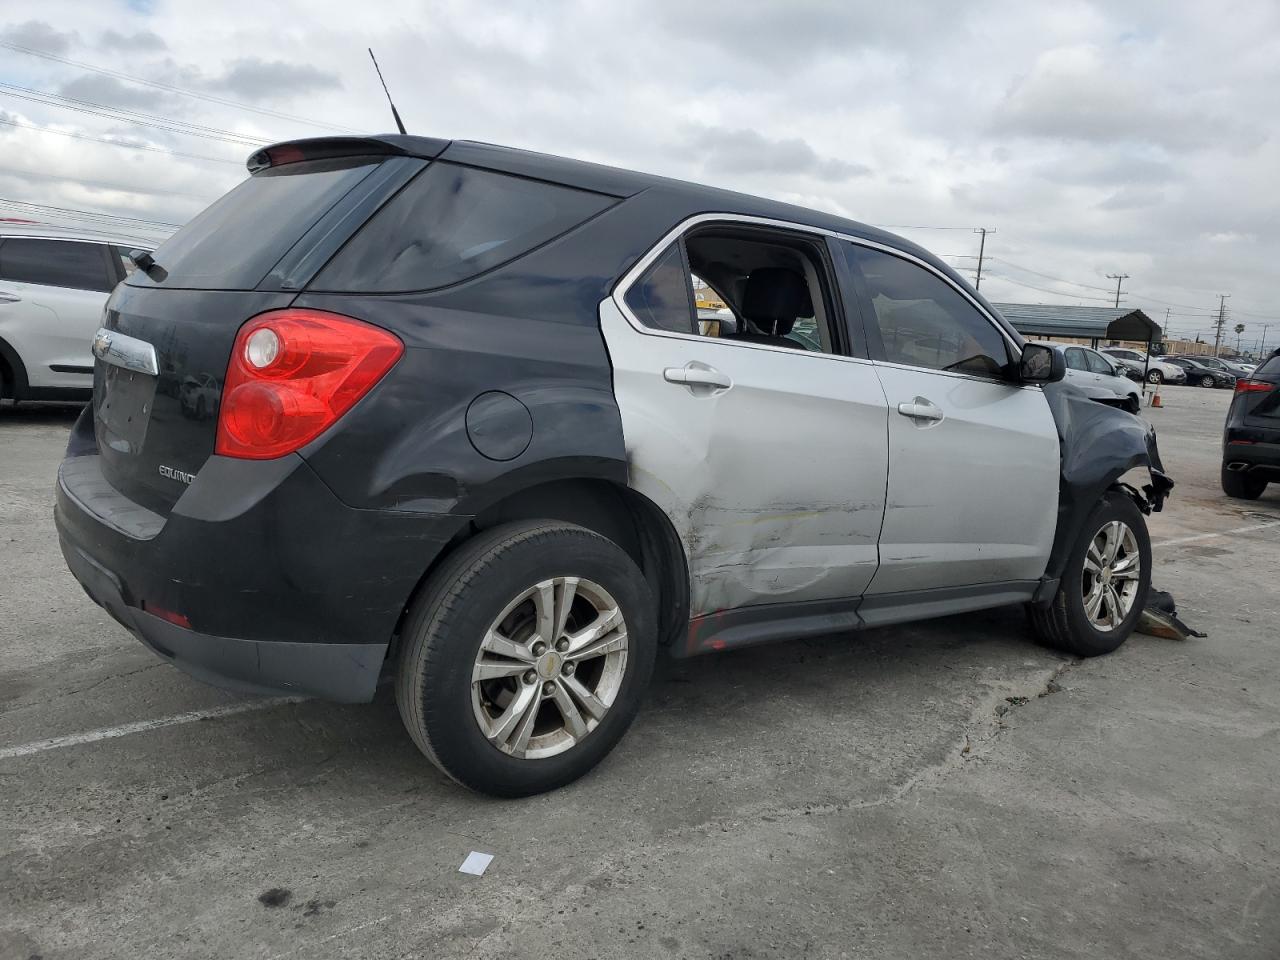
column 29, row 413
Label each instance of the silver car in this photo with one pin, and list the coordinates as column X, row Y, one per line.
column 53, row 286
column 1098, row 376
column 1153, row 368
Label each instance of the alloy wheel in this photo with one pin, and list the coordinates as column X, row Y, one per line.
column 549, row 667
column 1112, row 572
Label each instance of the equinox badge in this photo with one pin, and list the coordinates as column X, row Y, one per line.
column 173, row 473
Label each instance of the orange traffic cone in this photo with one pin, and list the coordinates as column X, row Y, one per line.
column 1155, row 397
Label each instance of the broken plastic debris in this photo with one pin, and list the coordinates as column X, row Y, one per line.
column 476, row 863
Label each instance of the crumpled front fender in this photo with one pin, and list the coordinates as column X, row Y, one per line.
column 1099, row 444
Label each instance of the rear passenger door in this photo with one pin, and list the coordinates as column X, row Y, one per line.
column 973, row 457
column 766, row 449
column 58, row 289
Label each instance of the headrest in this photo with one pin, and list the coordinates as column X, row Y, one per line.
column 774, row 297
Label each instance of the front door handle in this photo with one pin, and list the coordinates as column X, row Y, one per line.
column 921, row 409
column 9, row 297
column 699, row 376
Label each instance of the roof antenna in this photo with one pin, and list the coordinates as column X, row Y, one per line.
column 395, row 113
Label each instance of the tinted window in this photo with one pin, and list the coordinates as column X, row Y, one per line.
column 235, row 242
column 1076, row 360
column 451, row 223
column 1269, row 368
column 56, row 263
column 662, row 297
column 923, row 321
column 1097, row 363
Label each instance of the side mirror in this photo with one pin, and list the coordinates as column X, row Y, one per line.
column 1041, row 364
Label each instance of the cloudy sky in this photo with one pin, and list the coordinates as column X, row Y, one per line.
column 1095, row 138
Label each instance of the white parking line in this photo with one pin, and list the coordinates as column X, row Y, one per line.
column 141, row 726
column 1178, row 541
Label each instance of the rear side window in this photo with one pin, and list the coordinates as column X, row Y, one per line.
column 452, row 223
column 663, row 297
column 1270, row 368
column 1076, row 360
column 1098, row 363
column 235, row 242
column 56, row 263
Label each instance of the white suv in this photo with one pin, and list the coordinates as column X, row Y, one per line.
column 1155, row 370
column 52, row 290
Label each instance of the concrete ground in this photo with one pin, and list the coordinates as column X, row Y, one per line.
column 881, row 795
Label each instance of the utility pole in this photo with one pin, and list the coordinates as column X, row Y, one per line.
column 982, row 249
column 1164, row 333
column 1118, row 278
column 1262, row 345
column 1218, row 324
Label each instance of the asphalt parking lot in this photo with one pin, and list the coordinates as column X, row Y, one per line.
column 942, row 790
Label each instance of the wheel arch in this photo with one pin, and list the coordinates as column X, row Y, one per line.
column 608, row 508
column 15, row 379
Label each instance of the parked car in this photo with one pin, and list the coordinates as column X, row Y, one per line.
column 1155, row 369
column 1098, row 376
column 52, row 290
column 1203, row 376
column 1251, row 441
column 471, row 431
column 1213, row 363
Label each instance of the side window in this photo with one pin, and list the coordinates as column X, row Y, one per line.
column 451, row 223
column 1076, row 359
column 1098, row 364
column 55, row 263
column 125, row 263
column 923, row 321
column 740, row 285
column 662, row 297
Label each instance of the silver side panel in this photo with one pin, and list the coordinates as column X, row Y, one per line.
column 973, row 495
column 775, row 483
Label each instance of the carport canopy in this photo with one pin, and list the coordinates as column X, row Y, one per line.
column 1093, row 323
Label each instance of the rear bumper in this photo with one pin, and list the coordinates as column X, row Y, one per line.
column 1259, row 458
column 284, row 587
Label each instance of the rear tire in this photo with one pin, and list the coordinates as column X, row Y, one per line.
column 1207, row 382
column 1241, row 485
column 1066, row 623
column 1155, row 376
column 475, row 598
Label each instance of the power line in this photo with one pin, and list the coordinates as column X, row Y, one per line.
column 156, row 84
column 46, row 208
column 116, row 143
column 61, row 100
column 119, row 117
column 122, row 188
column 1056, row 293
column 1047, row 276
column 907, row 226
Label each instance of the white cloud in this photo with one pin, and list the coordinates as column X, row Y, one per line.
column 1096, row 137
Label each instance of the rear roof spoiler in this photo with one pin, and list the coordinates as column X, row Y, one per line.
column 327, row 148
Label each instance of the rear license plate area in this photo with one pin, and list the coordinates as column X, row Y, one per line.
column 123, row 408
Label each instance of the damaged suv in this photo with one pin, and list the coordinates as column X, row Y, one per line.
column 462, row 425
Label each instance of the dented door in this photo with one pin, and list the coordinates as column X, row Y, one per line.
column 770, row 463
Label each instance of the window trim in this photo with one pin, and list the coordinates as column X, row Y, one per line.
column 637, row 270
column 104, row 252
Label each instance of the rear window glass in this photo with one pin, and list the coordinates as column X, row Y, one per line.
column 451, row 223
column 661, row 298
column 1269, row 367
column 56, row 263
column 235, row 242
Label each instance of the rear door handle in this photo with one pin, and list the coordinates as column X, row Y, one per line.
column 920, row 409
column 9, row 297
column 700, row 376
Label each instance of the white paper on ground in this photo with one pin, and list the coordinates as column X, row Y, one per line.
column 476, row 863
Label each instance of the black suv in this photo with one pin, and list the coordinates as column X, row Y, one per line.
column 448, row 412
column 1251, row 441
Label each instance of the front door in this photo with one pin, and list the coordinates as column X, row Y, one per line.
column 754, row 428
column 973, row 458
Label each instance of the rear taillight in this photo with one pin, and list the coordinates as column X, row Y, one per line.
column 1253, row 386
column 292, row 374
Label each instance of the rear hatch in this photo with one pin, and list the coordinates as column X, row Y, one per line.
column 251, row 251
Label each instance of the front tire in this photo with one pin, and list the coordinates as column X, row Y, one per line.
column 1155, row 376
column 1104, row 588
column 1241, row 485
column 525, row 657
column 1207, row 382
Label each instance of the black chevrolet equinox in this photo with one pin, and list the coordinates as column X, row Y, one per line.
column 502, row 427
